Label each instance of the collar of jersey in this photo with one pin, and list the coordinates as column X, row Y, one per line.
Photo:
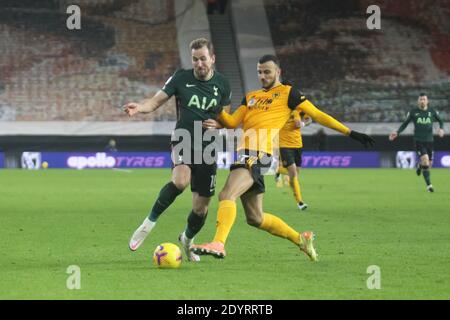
column 193, row 74
column 272, row 88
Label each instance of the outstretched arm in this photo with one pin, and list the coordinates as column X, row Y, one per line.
column 403, row 126
column 297, row 101
column 328, row 121
column 322, row 118
column 147, row 105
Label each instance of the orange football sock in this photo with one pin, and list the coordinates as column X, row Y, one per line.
column 226, row 214
column 279, row 228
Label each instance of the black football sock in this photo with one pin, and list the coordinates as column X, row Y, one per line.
column 166, row 197
column 426, row 174
column 195, row 223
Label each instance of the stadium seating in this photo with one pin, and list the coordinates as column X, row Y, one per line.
column 124, row 51
column 363, row 75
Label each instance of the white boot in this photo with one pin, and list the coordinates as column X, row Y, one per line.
column 186, row 244
column 140, row 234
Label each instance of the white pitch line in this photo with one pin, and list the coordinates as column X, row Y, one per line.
column 123, row 170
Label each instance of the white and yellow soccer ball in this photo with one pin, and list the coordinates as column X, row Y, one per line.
column 167, row 256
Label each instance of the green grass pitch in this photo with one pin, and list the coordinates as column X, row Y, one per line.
column 53, row 219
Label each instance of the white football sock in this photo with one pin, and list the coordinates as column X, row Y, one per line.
column 148, row 225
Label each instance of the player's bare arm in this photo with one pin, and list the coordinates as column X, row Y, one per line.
column 147, row 105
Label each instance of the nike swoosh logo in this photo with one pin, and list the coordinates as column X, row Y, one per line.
column 190, row 85
column 134, row 245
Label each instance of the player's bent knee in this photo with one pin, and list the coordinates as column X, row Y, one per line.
column 254, row 221
column 180, row 184
column 292, row 171
column 200, row 210
column 227, row 195
column 425, row 164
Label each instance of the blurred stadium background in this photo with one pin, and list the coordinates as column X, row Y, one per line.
column 61, row 90
column 60, row 96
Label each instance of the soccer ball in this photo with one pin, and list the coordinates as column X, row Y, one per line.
column 167, row 256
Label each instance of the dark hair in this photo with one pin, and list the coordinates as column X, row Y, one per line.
column 269, row 57
column 422, row 94
column 200, row 43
